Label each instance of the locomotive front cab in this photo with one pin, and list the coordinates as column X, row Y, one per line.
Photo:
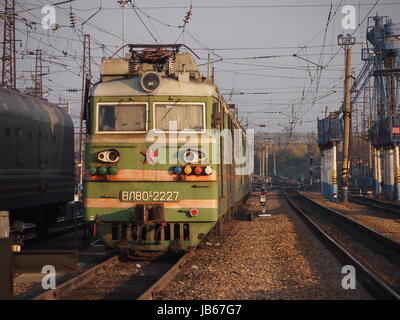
column 155, row 178
column 149, row 184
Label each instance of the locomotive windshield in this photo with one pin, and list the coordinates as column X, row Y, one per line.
column 122, row 117
column 184, row 116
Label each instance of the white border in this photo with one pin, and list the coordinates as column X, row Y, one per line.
column 119, row 103
column 191, row 131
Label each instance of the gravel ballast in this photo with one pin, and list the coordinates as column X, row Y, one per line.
column 375, row 257
column 384, row 222
column 273, row 257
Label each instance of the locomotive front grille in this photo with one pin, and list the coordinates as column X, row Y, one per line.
column 139, row 232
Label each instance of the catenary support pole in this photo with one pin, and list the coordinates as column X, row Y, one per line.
column 346, row 42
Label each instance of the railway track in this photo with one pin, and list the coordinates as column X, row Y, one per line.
column 378, row 204
column 139, row 278
column 375, row 257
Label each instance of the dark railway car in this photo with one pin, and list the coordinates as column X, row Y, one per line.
column 36, row 165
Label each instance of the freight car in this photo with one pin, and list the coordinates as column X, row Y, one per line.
column 36, row 165
column 156, row 178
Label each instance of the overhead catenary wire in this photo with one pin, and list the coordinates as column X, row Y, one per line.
column 144, row 24
column 226, row 54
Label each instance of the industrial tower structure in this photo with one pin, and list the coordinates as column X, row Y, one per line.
column 384, row 55
column 38, row 87
column 382, row 66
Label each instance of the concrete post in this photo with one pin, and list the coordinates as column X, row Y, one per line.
column 4, row 224
column 379, row 171
column 262, row 162
column 391, row 174
column 322, row 171
column 6, row 262
column 334, row 174
column 383, row 171
column 397, row 171
column 375, row 170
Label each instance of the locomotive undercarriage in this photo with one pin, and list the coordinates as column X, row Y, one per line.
column 152, row 233
column 148, row 230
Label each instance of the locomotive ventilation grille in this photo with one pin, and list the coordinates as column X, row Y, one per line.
column 154, row 232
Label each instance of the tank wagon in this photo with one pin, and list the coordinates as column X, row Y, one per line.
column 151, row 106
column 36, row 165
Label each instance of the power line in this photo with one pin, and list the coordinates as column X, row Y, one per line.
column 148, row 30
column 278, row 6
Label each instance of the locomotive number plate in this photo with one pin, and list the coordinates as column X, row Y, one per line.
column 163, row 196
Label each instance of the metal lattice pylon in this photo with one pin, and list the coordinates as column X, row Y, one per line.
column 8, row 76
column 86, row 76
column 38, row 75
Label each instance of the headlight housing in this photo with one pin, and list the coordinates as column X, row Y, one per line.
column 109, row 156
column 150, row 81
column 192, row 156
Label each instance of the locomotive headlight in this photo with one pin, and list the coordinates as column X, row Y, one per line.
column 198, row 170
column 192, row 156
column 188, row 169
column 92, row 170
column 177, row 170
column 189, row 156
column 108, row 156
column 150, row 81
column 102, row 170
column 112, row 170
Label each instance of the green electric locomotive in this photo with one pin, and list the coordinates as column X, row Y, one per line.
column 162, row 152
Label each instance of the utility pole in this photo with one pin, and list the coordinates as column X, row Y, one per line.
column 274, row 164
column 8, row 76
column 266, row 161
column 311, row 170
column 310, row 152
column 69, row 106
column 370, row 157
column 346, row 42
column 86, row 76
column 123, row 4
column 38, row 87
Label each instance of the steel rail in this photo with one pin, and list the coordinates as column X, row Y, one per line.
column 376, row 286
column 87, row 276
column 77, row 281
column 167, row 277
column 378, row 204
column 379, row 239
column 55, row 232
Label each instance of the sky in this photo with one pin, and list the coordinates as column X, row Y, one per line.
column 252, row 44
